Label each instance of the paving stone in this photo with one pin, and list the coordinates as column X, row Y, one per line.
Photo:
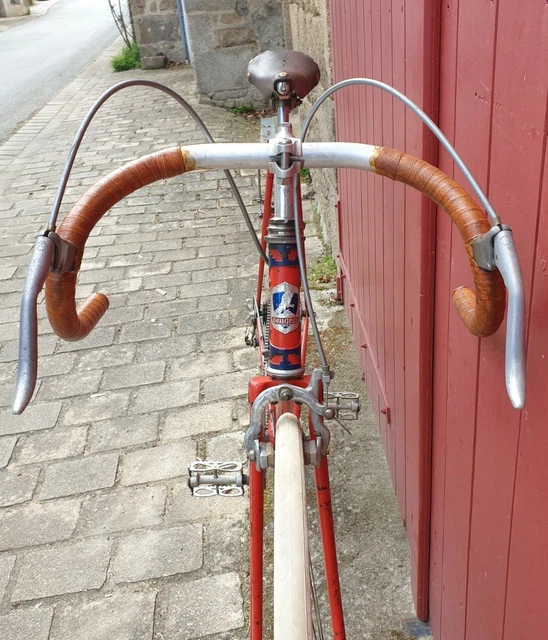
column 17, row 485
column 169, row 280
column 158, row 463
column 78, row 476
column 214, row 288
column 66, row 569
column 122, row 510
column 228, row 385
column 117, row 250
column 197, row 264
column 167, row 348
column 224, row 250
column 200, row 418
column 134, row 375
column 99, row 337
column 200, row 366
column 14, row 250
column 123, row 433
column 183, row 508
column 219, row 593
column 126, row 616
column 55, row 365
column 165, row 396
column 227, row 446
column 52, row 445
column 121, row 314
column 231, row 339
column 225, row 545
column 6, row 395
column 60, row 387
column 154, row 554
column 246, row 359
column 7, row 372
column 149, row 269
column 9, row 331
column 7, row 272
column 7, row 446
column 114, row 274
column 26, row 624
column 38, row 523
column 172, row 308
column 160, row 294
column 7, row 563
column 208, row 276
column 36, row 417
column 101, row 406
column 126, row 285
column 113, row 356
column 146, row 330
column 130, row 260
column 203, row 322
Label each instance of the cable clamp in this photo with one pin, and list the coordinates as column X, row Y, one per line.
column 483, row 247
column 67, row 256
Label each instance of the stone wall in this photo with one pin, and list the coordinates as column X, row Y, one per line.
column 157, row 31
column 311, row 34
column 224, row 36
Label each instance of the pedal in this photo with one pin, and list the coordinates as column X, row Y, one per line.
column 207, row 478
column 344, row 404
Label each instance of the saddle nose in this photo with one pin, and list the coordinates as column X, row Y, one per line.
column 294, row 67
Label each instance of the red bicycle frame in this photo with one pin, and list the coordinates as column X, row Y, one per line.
column 287, row 354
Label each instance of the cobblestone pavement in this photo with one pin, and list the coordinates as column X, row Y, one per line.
column 98, row 535
column 99, row 538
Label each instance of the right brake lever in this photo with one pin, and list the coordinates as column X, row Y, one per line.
column 27, row 366
column 507, row 262
column 496, row 250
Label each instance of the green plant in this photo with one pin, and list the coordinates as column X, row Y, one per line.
column 323, row 272
column 305, row 175
column 128, row 58
column 244, row 109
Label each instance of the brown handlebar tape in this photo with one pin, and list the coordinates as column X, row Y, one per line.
column 483, row 311
column 67, row 321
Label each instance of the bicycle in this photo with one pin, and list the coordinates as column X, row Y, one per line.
column 279, row 325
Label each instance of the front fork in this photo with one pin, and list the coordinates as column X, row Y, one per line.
column 263, row 392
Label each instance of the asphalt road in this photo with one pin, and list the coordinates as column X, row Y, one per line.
column 40, row 56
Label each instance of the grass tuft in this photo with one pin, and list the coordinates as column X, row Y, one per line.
column 128, row 58
column 244, row 109
column 323, row 272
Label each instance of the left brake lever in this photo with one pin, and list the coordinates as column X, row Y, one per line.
column 27, row 366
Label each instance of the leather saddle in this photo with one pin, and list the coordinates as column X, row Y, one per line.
column 269, row 68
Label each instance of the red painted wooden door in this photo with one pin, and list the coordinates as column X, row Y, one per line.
column 387, row 236
column 470, row 473
column 489, row 540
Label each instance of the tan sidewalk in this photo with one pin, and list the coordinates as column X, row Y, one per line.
column 97, row 526
column 99, row 538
